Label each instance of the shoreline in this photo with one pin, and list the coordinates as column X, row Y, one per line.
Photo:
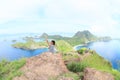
column 85, row 44
column 42, row 47
column 81, row 45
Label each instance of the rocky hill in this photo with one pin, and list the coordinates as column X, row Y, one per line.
column 93, row 74
column 85, row 35
column 43, row 67
column 48, row 66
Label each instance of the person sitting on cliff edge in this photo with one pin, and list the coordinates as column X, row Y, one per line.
column 51, row 46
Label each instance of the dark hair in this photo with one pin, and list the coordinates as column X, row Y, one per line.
column 53, row 42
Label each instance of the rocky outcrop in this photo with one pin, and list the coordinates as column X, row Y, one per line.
column 92, row 74
column 48, row 66
column 43, row 67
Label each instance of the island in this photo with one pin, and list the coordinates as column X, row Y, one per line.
column 30, row 45
column 80, row 38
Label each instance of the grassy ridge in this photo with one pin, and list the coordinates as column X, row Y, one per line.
column 64, row 46
column 99, row 63
column 93, row 61
column 9, row 70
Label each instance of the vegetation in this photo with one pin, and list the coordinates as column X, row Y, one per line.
column 9, row 70
column 30, row 45
column 82, row 50
column 76, row 66
column 90, row 61
column 70, row 56
column 64, row 46
column 102, row 64
column 71, row 75
column 81, row 37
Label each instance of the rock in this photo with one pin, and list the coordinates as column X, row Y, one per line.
column 92, row 74
column 42, row 67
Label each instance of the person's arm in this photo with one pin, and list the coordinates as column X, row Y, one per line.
column 47, row 41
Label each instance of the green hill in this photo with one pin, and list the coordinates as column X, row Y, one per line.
column 81, row 37
column 86, row 35
column 51, row 36
column 64, row 46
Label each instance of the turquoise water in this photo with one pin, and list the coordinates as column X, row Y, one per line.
column 10, row 53
column 109, row 50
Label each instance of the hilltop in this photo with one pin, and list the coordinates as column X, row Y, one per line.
column 48, row 66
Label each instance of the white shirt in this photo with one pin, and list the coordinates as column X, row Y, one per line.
column 52, row 49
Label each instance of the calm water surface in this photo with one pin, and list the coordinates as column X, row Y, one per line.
column 10, row 53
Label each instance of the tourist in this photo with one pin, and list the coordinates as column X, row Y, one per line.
column 51, row 46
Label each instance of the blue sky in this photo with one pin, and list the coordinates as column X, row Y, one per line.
column 101, row 17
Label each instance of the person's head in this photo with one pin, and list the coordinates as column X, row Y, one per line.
column 52, row 42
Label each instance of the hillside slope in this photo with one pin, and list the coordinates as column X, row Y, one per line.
column 43, row 67
column 48, row 66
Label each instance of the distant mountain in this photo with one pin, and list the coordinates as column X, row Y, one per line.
column 44, row 35
column 81, row 37
column 51, row 36
column 86, row 35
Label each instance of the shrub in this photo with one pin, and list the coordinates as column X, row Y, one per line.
column 82, row 50
column 76, row 66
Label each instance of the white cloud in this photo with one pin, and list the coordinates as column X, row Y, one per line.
column 97, row 15
column 12, row 9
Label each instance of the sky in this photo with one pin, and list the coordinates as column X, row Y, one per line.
column 101, row 17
